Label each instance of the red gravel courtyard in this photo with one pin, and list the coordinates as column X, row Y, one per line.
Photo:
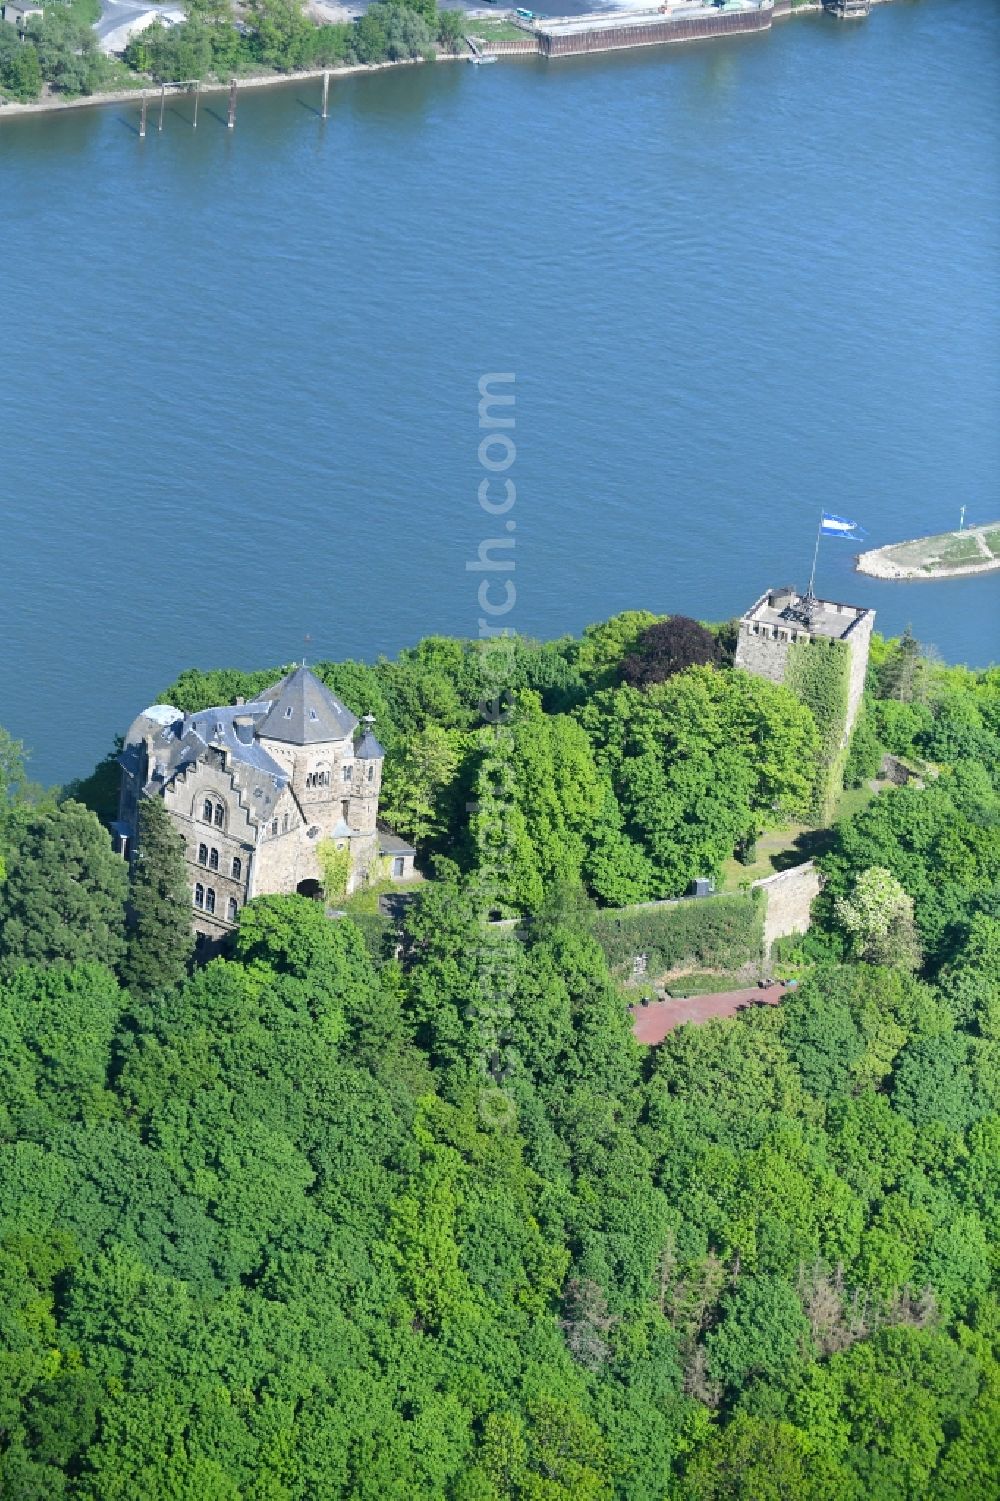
column 652, row 1023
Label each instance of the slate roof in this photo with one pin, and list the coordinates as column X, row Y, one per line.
column 304, row 712
column 369, row 748
column 216, row 727
column 391, row 844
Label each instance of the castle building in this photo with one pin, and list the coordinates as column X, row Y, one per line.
column 782, row 617
column 258, row 792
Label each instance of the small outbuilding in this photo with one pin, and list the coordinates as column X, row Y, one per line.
column 398, row 854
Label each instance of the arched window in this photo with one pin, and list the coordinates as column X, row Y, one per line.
column 213, row 859
column 206, row 811
column 220, row 815
column 199, row 895
column 210, row 900
column 348, row 773
column 284, row 824
column 234, row 907
column 203, row 854
column 237, row 868
column 371, row 773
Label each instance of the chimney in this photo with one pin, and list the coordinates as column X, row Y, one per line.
column 239, row 699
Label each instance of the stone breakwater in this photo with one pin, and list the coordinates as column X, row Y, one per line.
column 975, row 549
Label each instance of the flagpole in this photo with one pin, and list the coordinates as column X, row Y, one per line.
column 812, row 576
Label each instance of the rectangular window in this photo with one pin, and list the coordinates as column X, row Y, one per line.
column 233, row 908
column 348, row 773
column 398, row 865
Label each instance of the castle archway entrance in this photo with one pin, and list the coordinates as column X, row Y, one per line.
column 310, row 888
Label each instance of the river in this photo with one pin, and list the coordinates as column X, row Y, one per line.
column 736, row 281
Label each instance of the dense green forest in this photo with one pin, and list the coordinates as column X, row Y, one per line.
column 59, row 48
column 355, row 1213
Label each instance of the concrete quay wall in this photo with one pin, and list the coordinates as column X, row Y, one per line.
column 654, row 32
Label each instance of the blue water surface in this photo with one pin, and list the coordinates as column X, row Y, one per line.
column 737, row 282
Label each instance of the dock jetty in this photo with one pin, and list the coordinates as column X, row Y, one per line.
column 972, row 549
column 652, row 26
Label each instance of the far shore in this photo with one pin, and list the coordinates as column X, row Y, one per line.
column 53, row 103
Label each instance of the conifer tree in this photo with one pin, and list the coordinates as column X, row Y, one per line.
column 160, row 940
column 902, row 674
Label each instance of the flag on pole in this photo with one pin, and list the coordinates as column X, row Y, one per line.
column 839, row 526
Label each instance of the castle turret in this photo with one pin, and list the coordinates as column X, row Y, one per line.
column 367, row 781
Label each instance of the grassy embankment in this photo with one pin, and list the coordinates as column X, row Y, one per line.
column 780, row 849
column 499, row 30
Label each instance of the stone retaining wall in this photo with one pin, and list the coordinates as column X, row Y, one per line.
column 789, row 895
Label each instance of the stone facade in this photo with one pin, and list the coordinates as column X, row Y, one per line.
column 257, row 792
column 789, row 896
column 781, row 617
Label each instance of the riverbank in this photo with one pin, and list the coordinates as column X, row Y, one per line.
column 975, row 549
column 51, row 103
column 54, row 103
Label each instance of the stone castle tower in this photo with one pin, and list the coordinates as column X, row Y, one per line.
column 782, row 617
column 255, row 790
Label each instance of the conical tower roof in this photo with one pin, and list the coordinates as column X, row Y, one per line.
column 368, row 748
column 304, row 712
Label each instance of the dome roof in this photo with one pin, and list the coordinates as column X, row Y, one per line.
column 156, row 717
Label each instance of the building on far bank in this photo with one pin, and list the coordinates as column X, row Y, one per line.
column 19, row 12
column 261, row 793
column 780, row 619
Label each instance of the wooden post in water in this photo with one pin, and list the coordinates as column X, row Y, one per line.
column 163, row 95
column 326, row 96
column 231, row 122
column 142, row 120
column 197, row 91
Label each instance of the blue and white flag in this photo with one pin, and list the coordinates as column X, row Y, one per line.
column 839, row 526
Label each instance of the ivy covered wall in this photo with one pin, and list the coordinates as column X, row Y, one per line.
column 716, row 932
column 818, row 672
